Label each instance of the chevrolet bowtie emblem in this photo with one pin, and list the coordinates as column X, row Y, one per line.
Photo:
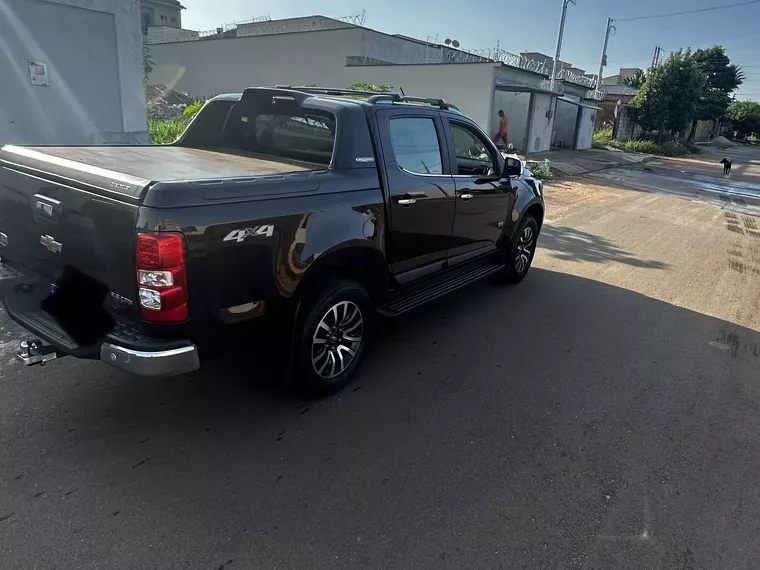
column 50, row 244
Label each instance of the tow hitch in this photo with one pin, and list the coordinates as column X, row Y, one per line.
column 33, row 352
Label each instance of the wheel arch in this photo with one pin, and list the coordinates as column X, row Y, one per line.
column 356, row 260
column 537, row 211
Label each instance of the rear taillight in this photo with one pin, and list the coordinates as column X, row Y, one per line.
column 162, row 277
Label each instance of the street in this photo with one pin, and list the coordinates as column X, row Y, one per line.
column 602, row 414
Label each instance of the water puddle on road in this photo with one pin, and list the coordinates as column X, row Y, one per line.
column 737, row 196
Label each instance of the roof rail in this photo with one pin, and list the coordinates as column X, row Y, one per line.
column 396, row 98
column 373, row 96
column 325, row 90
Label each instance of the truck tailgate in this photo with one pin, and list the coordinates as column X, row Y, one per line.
column 55, row 218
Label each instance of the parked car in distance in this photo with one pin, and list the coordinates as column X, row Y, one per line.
column 312, row 206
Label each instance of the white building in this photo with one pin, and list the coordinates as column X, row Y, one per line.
column 327, row 52
column 161, row 13
column 71, row 72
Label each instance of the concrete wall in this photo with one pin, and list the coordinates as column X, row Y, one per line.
column 625, row 128
column 514, row 75
column 394, row 49
column 541, row 126
column 565, row 120
column 467, row 85
column 703, row 130
column 209, row 67
column 93, row 53
column 288, row 25
column 586, row 129
column 166, row 34
column 515, row 106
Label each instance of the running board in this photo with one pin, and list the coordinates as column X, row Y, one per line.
column 452, row 280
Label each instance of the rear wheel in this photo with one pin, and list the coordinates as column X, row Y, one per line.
column 519, row 256
column 331, row 337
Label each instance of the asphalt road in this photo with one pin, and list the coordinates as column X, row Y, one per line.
column 603, row 414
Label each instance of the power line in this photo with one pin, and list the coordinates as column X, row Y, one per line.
column 687, row 12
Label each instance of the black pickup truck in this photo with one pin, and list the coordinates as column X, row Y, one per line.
column 313, row 207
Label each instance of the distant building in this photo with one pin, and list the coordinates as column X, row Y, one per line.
column 622, row 75
column 161, row 13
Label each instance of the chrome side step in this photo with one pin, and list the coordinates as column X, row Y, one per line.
column 34, row 352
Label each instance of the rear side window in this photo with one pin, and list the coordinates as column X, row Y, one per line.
column 415, row 145
column 310, row 136
column 284, row 131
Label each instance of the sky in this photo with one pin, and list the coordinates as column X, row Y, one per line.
column 532, row 26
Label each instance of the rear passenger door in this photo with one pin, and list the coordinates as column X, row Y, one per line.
column 420, row 189
column 484, row 197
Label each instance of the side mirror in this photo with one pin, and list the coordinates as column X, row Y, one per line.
column 513, row 167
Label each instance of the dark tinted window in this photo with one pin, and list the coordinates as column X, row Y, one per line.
column 473, row 156
column 287, row 131
column 415, row 145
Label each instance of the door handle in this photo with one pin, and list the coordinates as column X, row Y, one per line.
column 411, row 197
column 465, row 196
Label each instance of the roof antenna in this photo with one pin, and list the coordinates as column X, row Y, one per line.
column 402, row 91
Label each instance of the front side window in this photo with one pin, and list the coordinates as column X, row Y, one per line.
column 473, row 156
column 415, row 145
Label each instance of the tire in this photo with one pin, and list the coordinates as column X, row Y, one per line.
column 522, row 248
column 338, row 317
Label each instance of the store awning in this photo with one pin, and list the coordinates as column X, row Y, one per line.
column 508, row 85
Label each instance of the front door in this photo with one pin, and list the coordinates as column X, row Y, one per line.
column 483, row 197
column 421, row 191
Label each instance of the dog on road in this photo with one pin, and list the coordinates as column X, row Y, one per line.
column 726, row 166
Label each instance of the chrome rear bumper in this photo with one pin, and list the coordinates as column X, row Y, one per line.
column 159, row 363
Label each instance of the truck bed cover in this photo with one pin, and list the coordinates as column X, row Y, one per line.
column 139, row 166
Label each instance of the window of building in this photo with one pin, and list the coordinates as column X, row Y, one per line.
column 415, row 145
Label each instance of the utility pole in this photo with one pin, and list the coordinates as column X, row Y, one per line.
column 656, row 58
column 559, row 41
column 603, row 62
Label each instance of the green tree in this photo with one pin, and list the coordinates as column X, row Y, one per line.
column 720, row 79
column 668, row 98
column 745, row 117
column 636, row 80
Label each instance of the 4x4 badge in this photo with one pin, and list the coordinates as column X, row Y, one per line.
column 240, row 235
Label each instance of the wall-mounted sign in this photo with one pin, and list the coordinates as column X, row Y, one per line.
column 38, row 73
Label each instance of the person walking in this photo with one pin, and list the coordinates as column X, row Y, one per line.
column 501, row 135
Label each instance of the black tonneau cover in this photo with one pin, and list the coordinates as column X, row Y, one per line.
column 129, row 170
